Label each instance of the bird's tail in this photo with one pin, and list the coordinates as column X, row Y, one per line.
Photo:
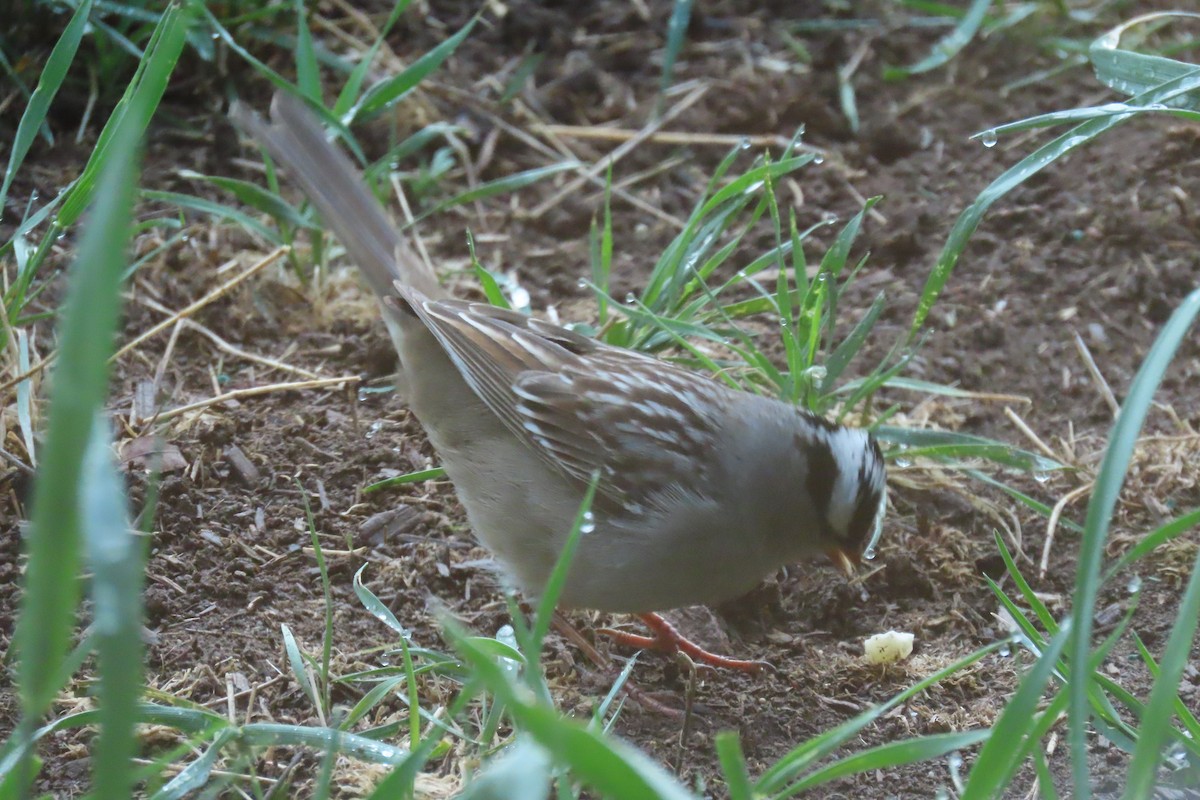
column 297, row 141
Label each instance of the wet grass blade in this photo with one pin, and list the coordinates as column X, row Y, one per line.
column 1035, row 162
column 611, row 767
column 144, row 92
column 677, row 26
column 1000, row 757
column 1109, row 480
column 778, row 776
column 390, row 90
column 1130, row 72
column 949, row 46
column 1150, row 542
column 733, row 766
column 1156, row 730
column 53, row 73
column 114, row 556
column 886, row 756
column 78, row 390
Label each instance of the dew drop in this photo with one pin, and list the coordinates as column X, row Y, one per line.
column 1135, row 584
column 1041, row 476
column 1005, row 651
column 988, row 138
column 631, row 298
column 744, row 144
column 869, row 553
column 903, row 463
column 582, row 283
column 588, row 524
column 376, row 426
column 818, row 159
column 956, row 761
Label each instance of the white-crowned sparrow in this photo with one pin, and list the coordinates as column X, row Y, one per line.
column 703, row 490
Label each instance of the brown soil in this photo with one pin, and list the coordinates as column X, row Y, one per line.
column 1103, row 243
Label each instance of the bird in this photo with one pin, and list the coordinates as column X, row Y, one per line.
column 701, row 489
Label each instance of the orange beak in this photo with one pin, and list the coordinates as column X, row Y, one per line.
column 844, row 561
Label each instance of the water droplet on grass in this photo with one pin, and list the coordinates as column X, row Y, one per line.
column 988, row 138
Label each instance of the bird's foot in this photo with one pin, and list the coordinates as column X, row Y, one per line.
column 667, row 639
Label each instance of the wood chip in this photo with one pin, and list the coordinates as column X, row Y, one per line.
column 386, row 524
column 151, row 452
column 242, row 465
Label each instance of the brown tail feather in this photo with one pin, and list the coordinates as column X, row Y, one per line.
column 296, row 140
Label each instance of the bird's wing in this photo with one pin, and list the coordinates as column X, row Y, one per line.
column 581, row 405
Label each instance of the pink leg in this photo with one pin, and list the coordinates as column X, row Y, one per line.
column 668, row 640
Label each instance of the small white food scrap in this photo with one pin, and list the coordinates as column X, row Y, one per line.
column 888, row 648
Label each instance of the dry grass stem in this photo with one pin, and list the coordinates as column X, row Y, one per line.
column 1052, row 524
column 255, row 391
column 607, row 134
column 254, row 269
column 620, row 152
column 1097, row 377
column 1024, row 428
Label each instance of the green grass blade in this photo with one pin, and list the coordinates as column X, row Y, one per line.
column 611, row 767
column 375, row 605
column 848, row 348
column 733, row 766
column 327, row 596
column 369, row 700
column 296, row 662
column 509, row 183
column 949, row 46
column 218, row 210
column 522, row 770
column 390, row 90
column 1160, row 536
column 893, row 754
column 308, row 72
column 807, row 753
column 115, row 559
column 1042, row 157
column 1039, row 608
column 1186, row 715
column 133, row 112
column 1001, row 755
column 1156, row 723
column 951, row 444
column 677, row 26
column 25, row 397
column 250, row 194
column 350, row 91
column 193, row 777
column 77, row 393
column 1108, row 484
column 49, row 82
column 431, row 474
column 1132, row 73
column 1045, row 780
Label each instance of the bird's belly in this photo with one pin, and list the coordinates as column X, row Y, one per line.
column 655, row 570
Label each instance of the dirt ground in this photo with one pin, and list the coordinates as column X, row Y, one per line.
column 1103, row 245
